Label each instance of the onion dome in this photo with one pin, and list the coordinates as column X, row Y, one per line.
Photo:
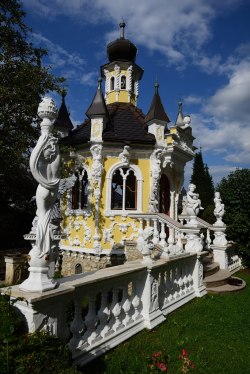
column 121, row 49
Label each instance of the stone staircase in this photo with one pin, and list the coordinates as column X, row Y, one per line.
column 218, row 281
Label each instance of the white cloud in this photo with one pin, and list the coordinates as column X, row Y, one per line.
column 192, row 99
column 89, row 79
column 57, row 55
column 222, row 126
column 177, row 29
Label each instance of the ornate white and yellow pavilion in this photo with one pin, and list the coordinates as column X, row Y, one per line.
column 122, row 163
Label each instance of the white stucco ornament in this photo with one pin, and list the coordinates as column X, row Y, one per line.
column 124, row 156
column 145, row 244
column 45, row 168
column 193, row 205
column 47, row 109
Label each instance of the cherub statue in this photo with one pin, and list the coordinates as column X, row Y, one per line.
column 219, row 209
column 193, row 200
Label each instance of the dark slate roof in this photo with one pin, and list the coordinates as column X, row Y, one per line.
column 98, row 105
column 126, row 124
column 157, row 110
column 63, row 120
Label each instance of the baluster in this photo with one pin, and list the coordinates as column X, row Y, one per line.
column 103, row 315
column 170, row 239
column 156, row 233
column 126, row 306
column 168, row 297
column 181, row 281
column 161, row 289
column 90, row 321
column 179, row 241
column 208, row 239
column 185, row 278
column 140, row 230
column 163, row 235
column 136, row 301
column 175, row 282
column 77, row 326
column 173, row 285
column 147, row 222
column 116, row 309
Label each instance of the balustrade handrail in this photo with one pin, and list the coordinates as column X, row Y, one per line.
column 201, row 221
column 162, row 217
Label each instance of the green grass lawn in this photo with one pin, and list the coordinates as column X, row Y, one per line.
column 215, row 331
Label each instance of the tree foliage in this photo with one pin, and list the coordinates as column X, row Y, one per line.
column 23, row 82
column 235, row 194
column 204, row 186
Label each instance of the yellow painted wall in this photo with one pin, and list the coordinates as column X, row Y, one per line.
column 78, row 224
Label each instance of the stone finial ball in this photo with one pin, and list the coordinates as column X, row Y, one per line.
column 186, row 120
column 47, row 109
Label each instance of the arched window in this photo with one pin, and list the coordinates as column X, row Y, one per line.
column 112, row 83
column 124, row 190
column 80, row 190
column 123, row 82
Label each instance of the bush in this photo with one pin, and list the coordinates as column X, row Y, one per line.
column 21, row 353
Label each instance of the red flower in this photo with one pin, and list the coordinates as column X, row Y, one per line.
column 161, row 366
column 191, row 364
column 184, row 353
column 157, row 354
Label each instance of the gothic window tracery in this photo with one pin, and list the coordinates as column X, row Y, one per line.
column 80, row 190
column 124, row 190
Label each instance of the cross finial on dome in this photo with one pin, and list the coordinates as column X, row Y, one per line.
column 99, row 82
column 63, row 93
column 156, row 86
column 122, row 25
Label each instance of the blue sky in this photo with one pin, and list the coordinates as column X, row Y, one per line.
column 198, row 50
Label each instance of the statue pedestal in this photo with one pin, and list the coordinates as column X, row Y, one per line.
column 38, row 280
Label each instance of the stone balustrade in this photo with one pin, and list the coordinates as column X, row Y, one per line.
column 111, row 305
column 172, row 236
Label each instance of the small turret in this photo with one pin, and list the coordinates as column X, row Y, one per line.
column 63, row 122
column 157, row 119
column 98, row 114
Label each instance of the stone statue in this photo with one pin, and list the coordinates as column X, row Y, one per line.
column 124, row 156
column 45, row 168
column 145, row 244
column 155, row 173
column 193, row 201
column 219, row 209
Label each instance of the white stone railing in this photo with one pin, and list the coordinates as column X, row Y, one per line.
column 172, row 236
column 216, row 242
column 113, row 304
column 234, row 261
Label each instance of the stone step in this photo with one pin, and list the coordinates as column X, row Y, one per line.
column 234, row 284
column 208, row 259
column 211, row 268
column 220, row 278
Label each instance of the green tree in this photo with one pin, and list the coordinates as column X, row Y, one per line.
column 204, row 186
column 23, row 81
column 235, row 194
